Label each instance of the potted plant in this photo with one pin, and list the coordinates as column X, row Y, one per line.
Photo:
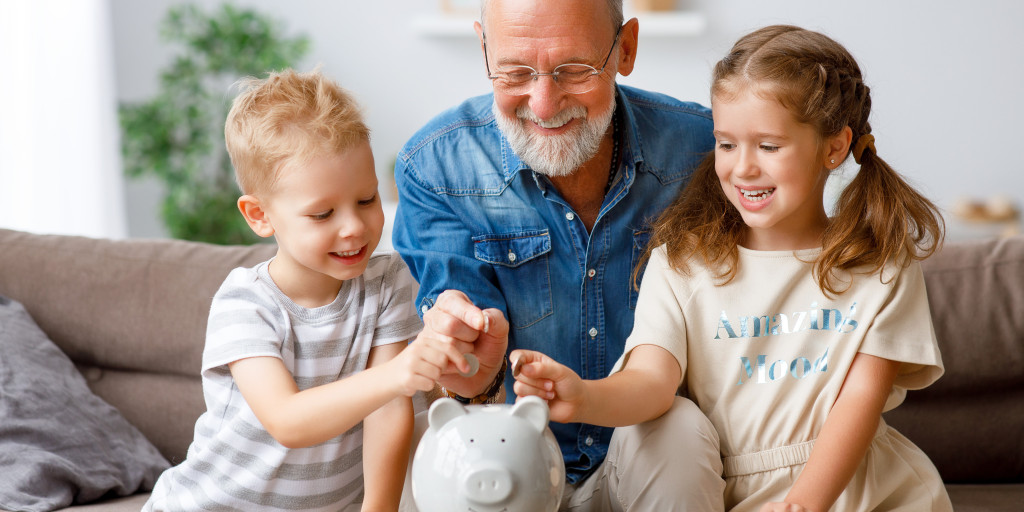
column 178, row 136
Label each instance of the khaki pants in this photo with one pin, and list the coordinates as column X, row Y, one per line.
column 671, row 463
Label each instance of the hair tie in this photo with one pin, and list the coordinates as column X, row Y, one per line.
column 866, row 141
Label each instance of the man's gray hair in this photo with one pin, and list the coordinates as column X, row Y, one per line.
column 614, row 10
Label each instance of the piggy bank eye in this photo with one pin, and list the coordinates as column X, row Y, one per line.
column 503, row 439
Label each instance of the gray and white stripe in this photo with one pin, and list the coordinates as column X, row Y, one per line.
column 233, row 463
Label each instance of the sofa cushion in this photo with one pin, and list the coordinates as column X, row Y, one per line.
column 986, row 497
column 131, row 314
column 137, row 304
column 59, row 443
column 970, row 422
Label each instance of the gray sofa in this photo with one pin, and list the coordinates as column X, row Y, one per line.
column 131, row 314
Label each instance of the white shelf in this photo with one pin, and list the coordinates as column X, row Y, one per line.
column 671, row 24
column 652, row 24
column 442, row 25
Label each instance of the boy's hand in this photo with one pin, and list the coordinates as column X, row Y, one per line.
column 455, row 319
column 542, row 376
column 420, row 364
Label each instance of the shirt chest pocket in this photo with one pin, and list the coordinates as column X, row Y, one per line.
column 520, row 262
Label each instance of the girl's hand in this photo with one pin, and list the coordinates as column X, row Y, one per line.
column 539, row 375
column 419, row 365
column 783, row 507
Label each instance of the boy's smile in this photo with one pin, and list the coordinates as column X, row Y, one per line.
column 350, row 257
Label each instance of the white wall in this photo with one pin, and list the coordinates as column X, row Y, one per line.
column 60, row 157
column 945, row 76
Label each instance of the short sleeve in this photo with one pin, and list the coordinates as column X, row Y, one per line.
column 659, row 317
column 244, row 322
column 397, row 317
column 903, row 331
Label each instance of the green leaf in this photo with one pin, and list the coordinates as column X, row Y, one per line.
column 178, row 135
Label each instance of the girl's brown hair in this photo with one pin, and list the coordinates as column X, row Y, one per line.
column 879, row 219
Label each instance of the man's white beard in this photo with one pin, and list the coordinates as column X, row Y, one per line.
column 555, row 155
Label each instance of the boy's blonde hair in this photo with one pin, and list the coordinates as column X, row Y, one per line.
column 286, row 118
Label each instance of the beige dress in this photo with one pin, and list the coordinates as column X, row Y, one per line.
column 764, row 357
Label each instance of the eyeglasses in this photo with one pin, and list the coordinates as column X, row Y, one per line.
column 573, row 78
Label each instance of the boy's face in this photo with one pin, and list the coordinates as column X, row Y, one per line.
column 327, row 219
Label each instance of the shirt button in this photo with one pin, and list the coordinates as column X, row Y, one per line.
column 593, row 332
column 511, row 256
column 591, row 273
column 424, row 309
column 589, row 441
column 569, row 216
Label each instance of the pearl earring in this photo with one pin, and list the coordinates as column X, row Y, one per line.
column 833, row 161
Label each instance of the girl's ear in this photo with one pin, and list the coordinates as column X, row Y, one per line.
column 838, row 147
column 255, row 216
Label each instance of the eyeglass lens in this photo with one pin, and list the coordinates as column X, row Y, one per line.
column 572, row 78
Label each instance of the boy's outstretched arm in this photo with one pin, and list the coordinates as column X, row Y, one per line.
column 643, row 390
column 298, row 419
column 845, row 436
column 387, row 433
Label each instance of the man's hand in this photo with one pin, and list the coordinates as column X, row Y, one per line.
column 455, row 319
column 542, row 376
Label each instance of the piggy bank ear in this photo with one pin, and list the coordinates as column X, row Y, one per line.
column 442, row 411
column 534, row 410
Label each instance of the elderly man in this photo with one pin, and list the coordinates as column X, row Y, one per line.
column 533, row 204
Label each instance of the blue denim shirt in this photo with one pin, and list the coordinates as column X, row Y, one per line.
column 473, row 217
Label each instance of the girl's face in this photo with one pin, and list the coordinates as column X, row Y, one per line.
column 772, row 169
column 327, row 218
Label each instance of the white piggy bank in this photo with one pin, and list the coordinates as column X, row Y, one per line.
column 488, row 458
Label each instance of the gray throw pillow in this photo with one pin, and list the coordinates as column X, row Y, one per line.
column 59, row 443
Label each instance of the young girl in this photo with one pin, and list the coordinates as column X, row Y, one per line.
column 792, row 331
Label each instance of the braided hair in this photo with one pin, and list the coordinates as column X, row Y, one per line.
column 879, row 219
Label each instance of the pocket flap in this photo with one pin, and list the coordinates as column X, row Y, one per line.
column 511, row 249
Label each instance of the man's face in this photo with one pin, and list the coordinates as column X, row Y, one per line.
column 554, row 132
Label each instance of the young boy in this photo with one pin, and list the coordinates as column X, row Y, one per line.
column 302, row 348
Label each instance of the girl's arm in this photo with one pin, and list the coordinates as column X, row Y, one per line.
column 845, row 437
column 297, row 419
column 387, row 433
column 643, row 390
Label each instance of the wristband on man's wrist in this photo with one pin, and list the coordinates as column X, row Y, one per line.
column 490, row 395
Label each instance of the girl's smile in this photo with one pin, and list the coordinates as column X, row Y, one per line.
column 754, row 199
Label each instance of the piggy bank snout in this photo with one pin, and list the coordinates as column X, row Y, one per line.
column 488, row 483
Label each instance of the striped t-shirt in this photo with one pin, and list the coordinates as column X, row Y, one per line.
column 233, row 463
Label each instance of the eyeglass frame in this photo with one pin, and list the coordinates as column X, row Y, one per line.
column 534, row 75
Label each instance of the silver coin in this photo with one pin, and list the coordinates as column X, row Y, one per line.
column 474, row 365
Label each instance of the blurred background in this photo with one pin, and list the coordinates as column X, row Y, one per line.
column 945, row 79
